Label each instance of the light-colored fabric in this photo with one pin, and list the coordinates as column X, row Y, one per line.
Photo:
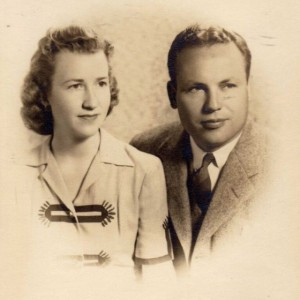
column 238, row 183
column 118, row 216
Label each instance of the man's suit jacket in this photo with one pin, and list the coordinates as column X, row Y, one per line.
column 236, row 187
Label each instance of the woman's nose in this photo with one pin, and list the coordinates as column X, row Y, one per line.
column 90, row 99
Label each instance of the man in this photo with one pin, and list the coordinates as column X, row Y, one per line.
column 213, row 159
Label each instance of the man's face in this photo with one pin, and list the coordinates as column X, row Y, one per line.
column 212, row 93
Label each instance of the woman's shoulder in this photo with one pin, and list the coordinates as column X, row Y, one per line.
column 31, row 157
column 20, row 169
column 131, row 154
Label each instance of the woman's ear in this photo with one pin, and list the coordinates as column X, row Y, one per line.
column 172, row 94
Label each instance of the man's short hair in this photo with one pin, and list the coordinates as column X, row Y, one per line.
column 196, row 36
column 36, row 111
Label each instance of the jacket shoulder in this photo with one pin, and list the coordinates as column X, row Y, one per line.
column 253, row 147
column 155, row 139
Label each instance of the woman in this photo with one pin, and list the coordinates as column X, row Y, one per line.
column 93, row 199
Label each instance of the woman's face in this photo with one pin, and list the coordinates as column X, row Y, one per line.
column 80, row 93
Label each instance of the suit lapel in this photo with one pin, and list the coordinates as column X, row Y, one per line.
column 179, row 206
column 233, row 189
column 175, row 167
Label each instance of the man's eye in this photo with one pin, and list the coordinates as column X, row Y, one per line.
column 196, row 89
column 102, row 83
column 229, row 86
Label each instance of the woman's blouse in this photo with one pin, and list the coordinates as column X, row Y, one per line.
column 119, row 216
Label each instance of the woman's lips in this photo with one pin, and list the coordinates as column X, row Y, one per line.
column 213, row 123
column 88, row 117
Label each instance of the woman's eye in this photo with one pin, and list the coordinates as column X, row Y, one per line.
column 76, row 86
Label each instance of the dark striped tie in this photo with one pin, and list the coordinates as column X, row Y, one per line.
column 200, row 195
column 201, row 183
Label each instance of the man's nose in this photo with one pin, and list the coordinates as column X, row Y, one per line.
column 90, row 99
column 213, row 102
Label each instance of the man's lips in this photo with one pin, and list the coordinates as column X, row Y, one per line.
column 213, row 123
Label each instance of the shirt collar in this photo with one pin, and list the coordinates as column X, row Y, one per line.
column 112, row 151
column 220, row 155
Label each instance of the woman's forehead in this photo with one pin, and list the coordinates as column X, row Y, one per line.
column 80, row 64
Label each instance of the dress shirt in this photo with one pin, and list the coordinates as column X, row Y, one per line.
column 220, row 155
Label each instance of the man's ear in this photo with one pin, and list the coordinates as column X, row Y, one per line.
column 172, row 94
column 249, row 91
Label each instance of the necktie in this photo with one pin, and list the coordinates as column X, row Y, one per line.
column 200, row 195
column 201, row 183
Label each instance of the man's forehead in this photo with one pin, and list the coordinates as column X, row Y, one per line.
column 215, row 62
column 209, row 51
column 224, row 54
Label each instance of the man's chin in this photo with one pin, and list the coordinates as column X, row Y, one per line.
column 210, row 143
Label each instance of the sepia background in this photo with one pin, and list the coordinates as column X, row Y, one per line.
column 141, row 32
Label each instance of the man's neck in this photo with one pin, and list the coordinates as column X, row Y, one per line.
column 221, row 153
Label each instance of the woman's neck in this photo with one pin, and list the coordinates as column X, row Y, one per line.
column 63, row 146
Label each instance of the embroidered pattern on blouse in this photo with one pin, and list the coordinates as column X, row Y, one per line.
column 94, row 213
column 101, row 259
column 166, row 223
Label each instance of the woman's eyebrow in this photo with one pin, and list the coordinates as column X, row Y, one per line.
column 73, row 80
column 81, row 80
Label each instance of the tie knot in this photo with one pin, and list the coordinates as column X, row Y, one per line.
column 207, row 159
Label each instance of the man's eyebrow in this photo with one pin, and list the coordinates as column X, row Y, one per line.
column 195, row 83
column 101, row 78
column 199, row 85
column 229, row 80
